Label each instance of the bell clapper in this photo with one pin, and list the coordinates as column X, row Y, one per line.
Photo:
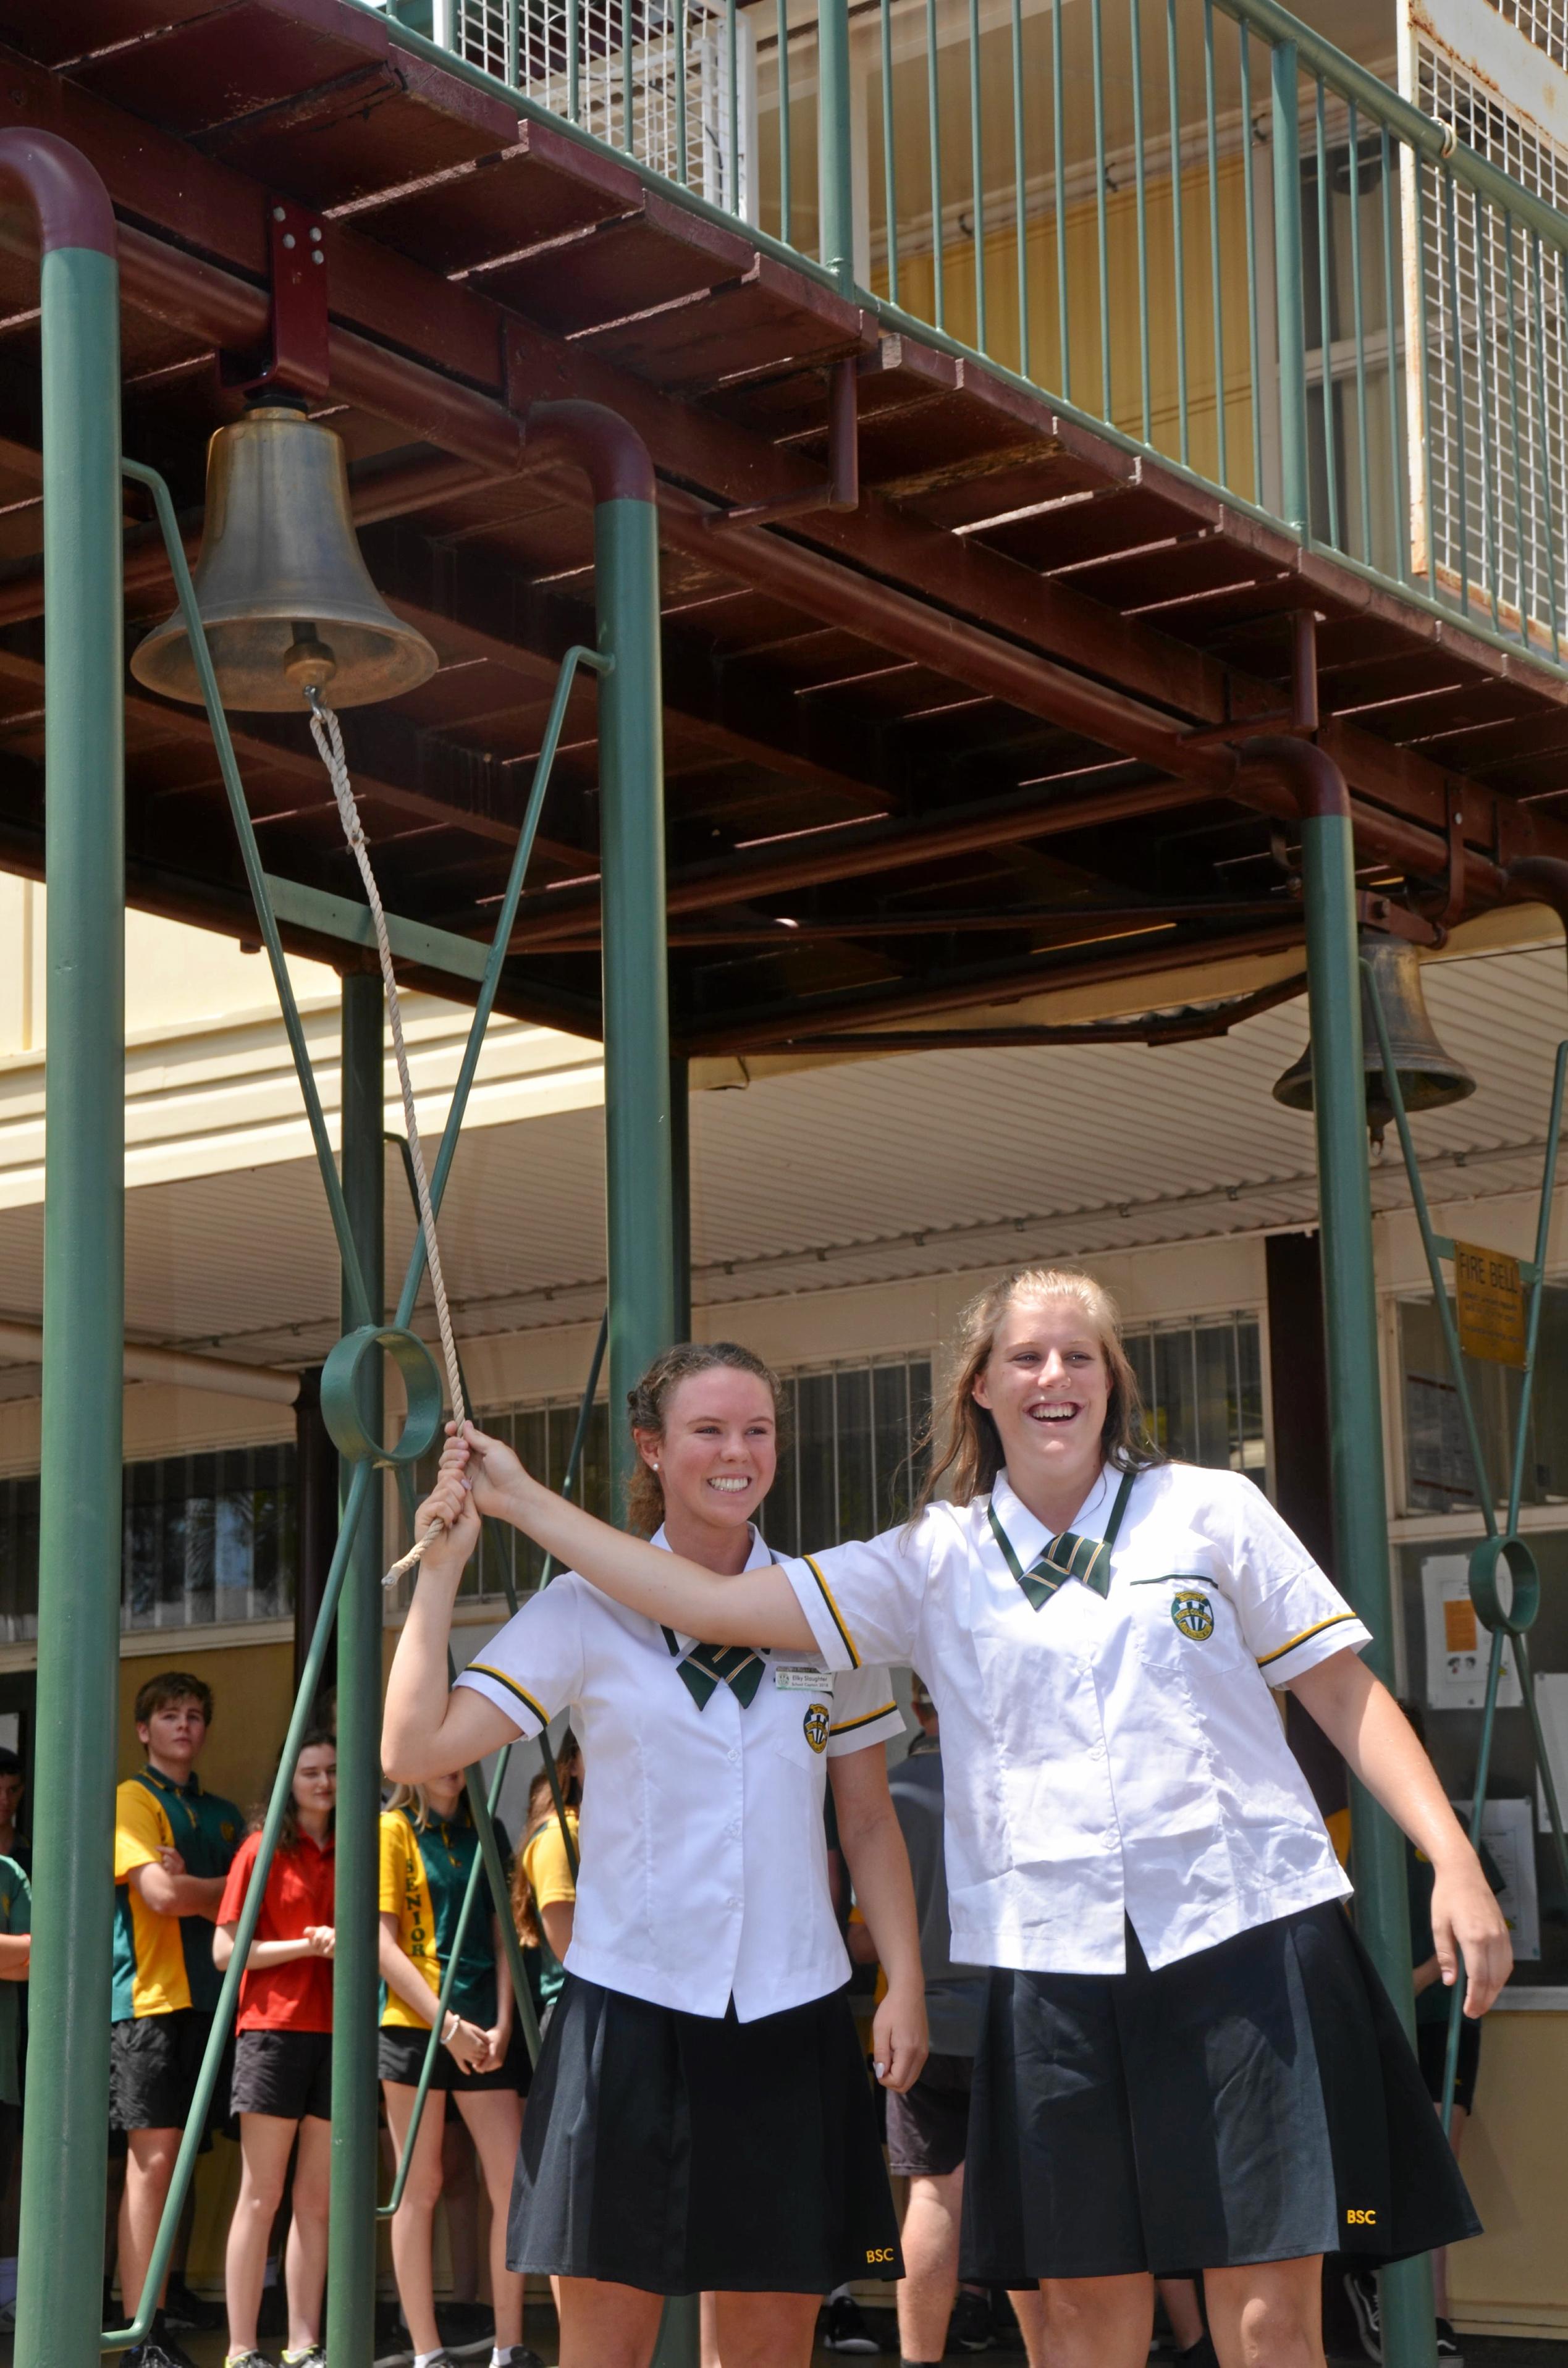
column 308, row 660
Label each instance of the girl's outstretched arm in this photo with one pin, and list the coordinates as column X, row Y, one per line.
column 428, row 1729
column 1356, row 1711
column 756, row 1608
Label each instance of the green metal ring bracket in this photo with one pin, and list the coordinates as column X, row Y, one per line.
column 1525, row 1601
column 421, row 1381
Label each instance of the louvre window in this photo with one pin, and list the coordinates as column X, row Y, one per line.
column 1438, row 1474
column 1203, row 1389
column 205, row 1541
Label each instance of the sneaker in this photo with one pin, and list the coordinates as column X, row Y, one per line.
column 1448, row 2344
column 187, row 2313
column 844, row 2329
column 519, row 2356
column 971, row 2327
column 172, row 2351
column 466, row 2327
column 158, row 2352
column 246, row 2360
column 312, row 2356
column 1361, row 2293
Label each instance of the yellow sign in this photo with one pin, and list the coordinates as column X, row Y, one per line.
column 1491, row 1305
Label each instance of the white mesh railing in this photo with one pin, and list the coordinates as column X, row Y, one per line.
column 1493, row 364
column 670, row 85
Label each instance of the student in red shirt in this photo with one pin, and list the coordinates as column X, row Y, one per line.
column 282, row 2081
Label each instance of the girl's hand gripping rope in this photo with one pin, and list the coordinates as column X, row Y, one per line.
column 449, row 1519
column 493, row 1470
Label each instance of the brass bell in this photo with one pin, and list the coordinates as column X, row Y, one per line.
column 284, row 595
column 1429, row 1077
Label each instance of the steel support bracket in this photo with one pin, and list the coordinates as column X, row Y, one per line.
column 296, row 361
column 1375, row 911
column 1443, row 900
column 843, row 489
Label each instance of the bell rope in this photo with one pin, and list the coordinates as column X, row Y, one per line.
column 328, row 736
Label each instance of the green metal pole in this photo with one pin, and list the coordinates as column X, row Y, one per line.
column 836, row 167
column 638, row 1180
column 1289, row 296
column 681, row 1192
column 351, row 2271
column 1356, row 1437
column 84, row 1290
column 639, row 1199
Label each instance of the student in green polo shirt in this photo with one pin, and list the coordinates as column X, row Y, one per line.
column 173, row 1844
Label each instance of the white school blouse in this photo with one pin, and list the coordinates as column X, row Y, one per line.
column 1106, row 1757
column 704, row 1857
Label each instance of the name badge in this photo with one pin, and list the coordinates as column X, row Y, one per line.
column 800, row 1677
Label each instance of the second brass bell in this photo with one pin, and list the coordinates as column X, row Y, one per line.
column 281, row 575
column 1429, row 1077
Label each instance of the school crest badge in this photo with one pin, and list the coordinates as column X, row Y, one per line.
column 1193, row 1614
column 815, row 1725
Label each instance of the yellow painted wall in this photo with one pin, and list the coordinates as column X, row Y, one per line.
column 1187, row 296
column 1514, row 2277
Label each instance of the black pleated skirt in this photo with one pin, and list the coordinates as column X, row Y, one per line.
column 684, row 2153
column 1255, row 2103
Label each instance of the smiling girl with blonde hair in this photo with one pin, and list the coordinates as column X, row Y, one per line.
column 1185, row 2058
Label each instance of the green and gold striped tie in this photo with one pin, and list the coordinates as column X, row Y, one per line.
column 707, row 1667
column 1067, row 1557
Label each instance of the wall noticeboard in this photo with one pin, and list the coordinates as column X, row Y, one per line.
column 1488, row 1293
column 1458, row 1644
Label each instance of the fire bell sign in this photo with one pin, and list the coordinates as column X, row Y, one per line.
column 1490, row 1295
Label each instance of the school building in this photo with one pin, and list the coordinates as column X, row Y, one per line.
column 842, row 1214
column 920, row 563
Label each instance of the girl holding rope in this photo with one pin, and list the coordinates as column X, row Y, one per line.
column 700, row 2116
column 1186, row 2059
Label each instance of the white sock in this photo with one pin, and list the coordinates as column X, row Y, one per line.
column 499, row 2358
column 423, row 2358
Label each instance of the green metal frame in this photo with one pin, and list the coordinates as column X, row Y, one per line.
column 1509, row 1622
column 79, row 1544
column 1355, row 1400
column 627, row 664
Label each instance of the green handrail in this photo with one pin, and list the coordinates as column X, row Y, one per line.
column 1483, row 553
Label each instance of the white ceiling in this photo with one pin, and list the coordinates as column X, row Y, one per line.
column 872, row 1171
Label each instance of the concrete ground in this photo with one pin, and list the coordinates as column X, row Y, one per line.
column 1480, row 2351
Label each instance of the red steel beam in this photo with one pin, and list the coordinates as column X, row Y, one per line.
column 482, row 432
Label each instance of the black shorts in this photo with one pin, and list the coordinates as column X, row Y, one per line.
column 1432, row 2049
column 152, row 2067
column 928, row 2125
column 399, row 2056
column 1255, row 2102
column 284, row 2073
column 684, row 2152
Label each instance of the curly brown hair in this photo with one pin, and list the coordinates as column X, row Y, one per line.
column 970, row 1447
column 649, row 1403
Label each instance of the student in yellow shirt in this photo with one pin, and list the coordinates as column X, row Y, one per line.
column 428, row 1848
column 544, row 1886
column 173, row 1845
